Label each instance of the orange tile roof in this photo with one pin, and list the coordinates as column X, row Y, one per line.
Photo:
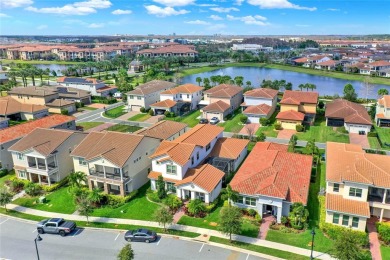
column 18, row 131
column 301, row 60
column 229, row 147
column 385, row 101
column 261, row 93
column 224, row 91
column 291, row 115
column 185, row 89
column 339, row 204
column 327, row 63
column 269, row 170
column 348, row 162
column 303, row 97
column 206, row 177
column 201, row 135
column 262, row 109
column 163, row 129
column 154, row 176
column 165, row 103
column 218, row 106
column 9, row 106
column 151, row 87
column 379, row 63
column 349, row 111
column 172, row 150
column 106, row 88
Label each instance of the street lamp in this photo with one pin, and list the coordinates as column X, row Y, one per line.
column 313, row 233
column 38, row 238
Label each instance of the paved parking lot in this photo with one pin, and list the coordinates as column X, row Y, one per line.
column 17, row 242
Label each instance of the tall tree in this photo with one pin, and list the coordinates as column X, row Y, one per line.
column 383, row 92
column 349, row 92
column 298, row 215
column 230, row 221
column 198, row 80
column 161, row 191
column 346, row 246
column 77, row 179
column 5, row 198
column 239, row 80
column 84, row 207
column 126, row 253
column 292, row 143
column 164, row 217
column 229, row 194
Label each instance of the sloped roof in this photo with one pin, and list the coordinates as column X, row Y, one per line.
column 218, row 106
column 338, row 203
column 151, row 87
column 291, row 115
column 299, row 97
column 262, row 109
column 60, row 103
column 270, row 170
column 162, row 130
column 201, row 134
column 33, row 91
column 348, row 162
column 224, row 91
column 261, row 93
column 177, row 152
column 349, row 111
column 229, row 147
column 9, row 106
column 164, row 103
column 385, row 101
column 75, row 80
column 185, row 89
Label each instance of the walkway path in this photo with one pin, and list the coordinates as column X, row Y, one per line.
column 374, row 241
column 359, row 139
column 203, row 231
column 286, row 134
column 249, row 128
column 128, row 115
column 178, row 214
column 265, row 224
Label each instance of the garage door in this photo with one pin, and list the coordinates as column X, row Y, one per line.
column 135, row 108
column 211, row 115
column 254, row 119
column 288, row 125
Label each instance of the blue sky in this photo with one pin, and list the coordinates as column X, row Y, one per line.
column 248, row 17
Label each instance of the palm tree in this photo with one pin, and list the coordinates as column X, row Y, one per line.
column 382, row 92
column 40, row 73
column 214, row 79
column 229, row 194
column 95, row 196
column 239, row 80
column 77, row 179
column 199, row 80
column 301, row 86
column 248, row 83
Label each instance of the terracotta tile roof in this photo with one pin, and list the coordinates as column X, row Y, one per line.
column 349, row 111
column 106, row 88
column 151, row 87
column 164, row 103
column 33, row 91
column 169, row 49
column 201, row 135
column 380, row 116
column 270, row 170
column 348, row 162
column 327, row 63
column 261, row 93
column 262, row 109
column 379, row 63
column 317, row 57
column 206, row 177
column 339, row 204
column 44, row 141
column 163, row 129
column 218, row 106
column 185, row 89
column 301, row 60
column 303, row 97
column 9, row 106
column 385, row 101
column 60, row 103
column 154, row 176
column 291, row 115
column 229, row 147
column 175, row 151
column 18, row 131
column 113, row 146
column 224, row 91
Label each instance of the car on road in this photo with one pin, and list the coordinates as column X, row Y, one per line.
column 214, row 120
column 56, row 226
column 140, row 235
column 203, row 121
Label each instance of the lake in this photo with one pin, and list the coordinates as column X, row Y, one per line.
column 325, row 85
column 58, row 68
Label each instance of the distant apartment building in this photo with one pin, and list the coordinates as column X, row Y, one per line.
column 169, row 51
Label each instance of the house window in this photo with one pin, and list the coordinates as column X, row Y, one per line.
column 355, row 192
column 197, row 156
column 192, row 160
column 355, row 222
column 171, row 169
column 20, row 156
column 240, row 200
column 181, row 95
column 171, row 187
column 139, row 98
column 131, row 97
column 345, row 220
column 336, row 218
column 188, row 96
column 336, row 187
column 22, row 174
column 250, row 201
column 208, row 147
column 82, row 161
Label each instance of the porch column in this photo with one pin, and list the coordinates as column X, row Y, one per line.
column 260, row 209
column 381, row 216
column 39, row 178
column 122, row 190
column 192, row 195
column 29, row 176
column 90, row 184
column 121, row 173
column 178, row 193
column 384, row 197
column 207, row 198
column 105, row 187
column 36, row 162
column 104, row 171
column 46, row 164
column 48, row 180
column 279, row 215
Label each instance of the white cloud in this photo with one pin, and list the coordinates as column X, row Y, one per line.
column 174, row 2
column 198, row 22
column 249, row 19
column 333, row 9
column 239, row 2
column 77, row 8
column 96, row 25
column 224, row 10
column 207, row 5
column 166, row 11
column 15, row 3
column 119, row 11
column 42, row 27
column 215, row 17
column 3, row 15
column 279, row 4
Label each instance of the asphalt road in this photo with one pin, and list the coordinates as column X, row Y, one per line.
column 95, row 115
column 17, row 242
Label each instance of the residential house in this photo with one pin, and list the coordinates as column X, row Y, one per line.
column 179, row 162
column 271, row 179
column 43, row 156
column 135, row 66
column 218, row 109
column 357, row 185
column 378, row 66
column 117, row 163
column 311, row 61
column 14, row 110
column 3, row 75
column 147, row 94
column 12, row 134
column 96, row 87
column 354, row 117
column 327, row 65
column 74, row 94
column 382, row 117
column 164, row 130
column 258, row 103
column 187, row 95
column 159, row 108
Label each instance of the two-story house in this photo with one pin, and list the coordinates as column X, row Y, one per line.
column 43, row 156
column 382, row 116
column 96, row 87
column 297, row 107
column 258, row 103
column 271, row 179
column 357, row 185
column 12, row 134
column 117, row 163
column 221, row 101
column 354, row 117
column 147, row 94
column 14, row 110
column 179, row 162
column 164, row 130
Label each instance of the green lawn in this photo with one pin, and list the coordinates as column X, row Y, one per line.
column 190, row 119
column 89, row 125
column 140, row 117
column 6, row 177
column 138, row 208
column 384, row 135
column 60, row 201
column 233, row 124
column 123, row 128
column 115, row 112
column 269, row 130
column 18, row 122
column 211, row 222
column 385, row 251
column 259, row 249
column 374, row 143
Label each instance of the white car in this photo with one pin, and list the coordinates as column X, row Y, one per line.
column 214, row 120
column 117, row 95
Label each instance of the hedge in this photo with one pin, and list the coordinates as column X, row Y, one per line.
column 116, row 201
column 384, row 232
column 3, row 172
column 55, row 186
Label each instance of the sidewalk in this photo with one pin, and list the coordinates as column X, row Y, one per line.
column 255, row 241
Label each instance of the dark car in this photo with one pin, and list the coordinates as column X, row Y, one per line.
column 141, row 235
column 203, row 121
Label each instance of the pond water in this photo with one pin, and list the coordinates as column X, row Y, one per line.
column 325, row 85
column 58, row 68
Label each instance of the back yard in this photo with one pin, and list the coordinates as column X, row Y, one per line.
column 233, row 124
column 191, row 119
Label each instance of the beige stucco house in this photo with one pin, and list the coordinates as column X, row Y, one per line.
column 382, row 116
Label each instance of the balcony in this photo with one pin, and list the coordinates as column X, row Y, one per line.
column 109, row 176
column 378, row 195
column 39, row 165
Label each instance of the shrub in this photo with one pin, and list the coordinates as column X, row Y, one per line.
column 3, row 172
column 212, row 206
column 258, row 218
column 196, row 208
column 153, row 196
column 284, row 220
column 278, row 126
column 261, row 137
column 299, row 128
column 243, row 119
column 142, row 110
column 17, row 184
column 252, row 212
column 167, row 113
column 172, row 114
column 64, row 112
column 384, row 231
column 33, row 189
column 264, row 121
column 55, row 186
column 114, row 201
column 321, row 104
column 173, row 202
column 151, row 112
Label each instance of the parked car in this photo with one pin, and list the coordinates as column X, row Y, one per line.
column 117, row 95
column 203, row 121
column 56, row 226
column 214, row 120
column 141, row 235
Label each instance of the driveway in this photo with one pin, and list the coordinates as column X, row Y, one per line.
column 286, row 134
column 250, row 128
column 359, row 139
